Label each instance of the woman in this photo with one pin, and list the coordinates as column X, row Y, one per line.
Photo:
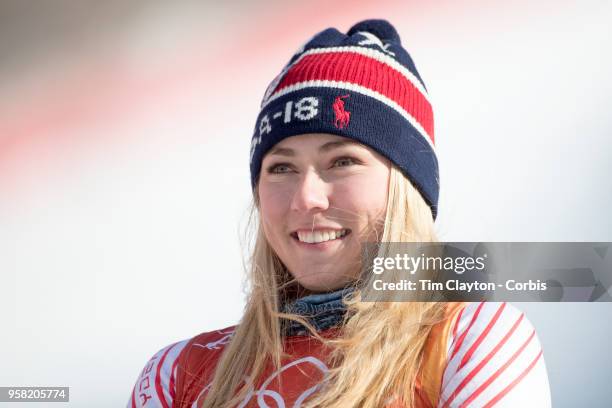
column 343, row 154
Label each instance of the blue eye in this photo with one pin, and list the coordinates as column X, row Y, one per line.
column 344, row 161
column 279, row 168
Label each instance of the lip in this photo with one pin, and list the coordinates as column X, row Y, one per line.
column 310, row 228
column 320, row 246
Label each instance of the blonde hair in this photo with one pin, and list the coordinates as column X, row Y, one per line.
column 378, row 354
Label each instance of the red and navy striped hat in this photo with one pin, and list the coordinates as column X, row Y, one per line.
column 362, row 85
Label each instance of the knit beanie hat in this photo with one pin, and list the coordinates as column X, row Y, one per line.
column 362, row 85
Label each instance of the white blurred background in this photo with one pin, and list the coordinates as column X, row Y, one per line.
column 124, row 136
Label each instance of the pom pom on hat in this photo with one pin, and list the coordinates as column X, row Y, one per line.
column 380, row 28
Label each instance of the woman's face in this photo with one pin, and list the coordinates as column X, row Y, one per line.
column 321, row 196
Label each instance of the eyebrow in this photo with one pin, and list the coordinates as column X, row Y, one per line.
column 283, row 151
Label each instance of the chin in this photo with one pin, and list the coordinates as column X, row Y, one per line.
column 317, row 283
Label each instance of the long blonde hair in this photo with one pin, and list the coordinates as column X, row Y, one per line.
column 377, row 356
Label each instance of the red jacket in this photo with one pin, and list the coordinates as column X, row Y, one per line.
column 483, row 354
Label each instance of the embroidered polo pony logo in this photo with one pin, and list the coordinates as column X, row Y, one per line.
column 342, row 116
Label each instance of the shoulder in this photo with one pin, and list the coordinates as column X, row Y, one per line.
column 156, row 384
column 494, row 356
column 213, row 340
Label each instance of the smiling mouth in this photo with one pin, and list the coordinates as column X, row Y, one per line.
column 316, row 237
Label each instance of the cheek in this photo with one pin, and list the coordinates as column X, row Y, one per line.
column 366, row 197
column 273, row 207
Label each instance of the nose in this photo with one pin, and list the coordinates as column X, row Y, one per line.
column 311, row 194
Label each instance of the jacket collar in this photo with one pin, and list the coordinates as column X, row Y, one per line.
column 322, row 310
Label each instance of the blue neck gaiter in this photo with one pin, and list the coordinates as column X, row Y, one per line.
column 323, row 311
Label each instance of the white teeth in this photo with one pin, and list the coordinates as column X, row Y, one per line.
column 320, row 236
